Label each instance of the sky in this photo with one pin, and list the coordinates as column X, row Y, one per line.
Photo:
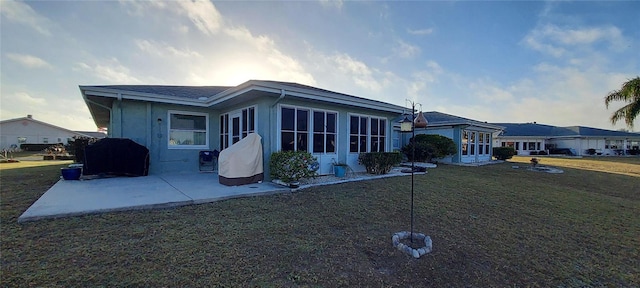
column 496, row 61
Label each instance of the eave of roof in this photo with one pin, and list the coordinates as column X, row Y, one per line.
column 220, row 94
column 439, row 119
column 548, row 131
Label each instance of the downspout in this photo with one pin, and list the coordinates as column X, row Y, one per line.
column 120, row 108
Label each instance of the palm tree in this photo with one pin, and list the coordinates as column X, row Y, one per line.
column 629, row 93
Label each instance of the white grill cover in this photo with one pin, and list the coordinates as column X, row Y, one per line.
column 242, row 162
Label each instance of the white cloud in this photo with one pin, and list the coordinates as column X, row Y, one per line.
column 164, row 49
column 111, row 71
column 332, row 3
column 28, row 100
column 361, row 74
column 21, row 12
column 426, row 31
column 203, row 14
column 556, row 41
column 406, row 50
column 29, row 61
column 490, row 92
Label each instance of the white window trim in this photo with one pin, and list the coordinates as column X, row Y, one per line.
column 337, row 133
column 309, row 121
column 239, row 111
column 386, row 129
column 207, row 130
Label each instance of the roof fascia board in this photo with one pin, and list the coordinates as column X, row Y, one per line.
column 306, row 94
column 131, row 95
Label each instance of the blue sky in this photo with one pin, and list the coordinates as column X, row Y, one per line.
column 500, row 61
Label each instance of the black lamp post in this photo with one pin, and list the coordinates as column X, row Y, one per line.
column 410, row 125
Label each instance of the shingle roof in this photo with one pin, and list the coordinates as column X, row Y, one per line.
column 542, row 130
column 190, row 92
column 435, row 118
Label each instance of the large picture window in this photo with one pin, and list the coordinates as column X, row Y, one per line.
column 188, row 130
column 294, row 129
column 324, row 132
column 367, row 134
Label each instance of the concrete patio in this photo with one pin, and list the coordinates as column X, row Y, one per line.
column 90, row 196
column 100, row 195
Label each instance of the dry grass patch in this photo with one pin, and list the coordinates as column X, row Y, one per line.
column 491, row 226
column 619, row 165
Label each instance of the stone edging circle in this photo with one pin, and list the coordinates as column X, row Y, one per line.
column 416, row 253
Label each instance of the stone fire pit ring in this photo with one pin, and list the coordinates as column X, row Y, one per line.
column 421, row 238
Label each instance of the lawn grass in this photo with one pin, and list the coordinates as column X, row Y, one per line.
column 491, row 226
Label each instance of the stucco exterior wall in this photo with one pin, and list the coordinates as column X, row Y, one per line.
column 147, row 124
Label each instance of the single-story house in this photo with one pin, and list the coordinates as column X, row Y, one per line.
column 26, row 130
column 473, row 138
column 526, row 138
column 177, row 122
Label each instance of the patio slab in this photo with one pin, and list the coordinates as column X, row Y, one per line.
column 81, row 197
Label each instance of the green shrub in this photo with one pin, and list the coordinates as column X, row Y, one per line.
column 542, row 152
column 289, row 166
column 533, row 153
column 503, row 153
column 430, row 147
column 379, row 162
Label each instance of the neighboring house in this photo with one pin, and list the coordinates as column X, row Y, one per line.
column 27, row 130
column 579, row 140
column 176, row 122
column 473, row 138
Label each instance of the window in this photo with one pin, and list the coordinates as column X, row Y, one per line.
column 324, row 132
column 481, row 143
column 236, row 125
column 22, row 140
column 377, row 134
column 518, row 145
column 294, row 129
column 472, row 143
column 248, row 121
column 465, row 142
column 537, row 145
column 532, row 145
column 367, row 134
column 188, row 130
column 487, row 141
column 45, row 140
column 224, row 131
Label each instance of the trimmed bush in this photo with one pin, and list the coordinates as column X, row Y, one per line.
column 429, row 147
column 379, row 162
column 542, row 152
column 533, row 153
column 290, row 166
column 503, row 153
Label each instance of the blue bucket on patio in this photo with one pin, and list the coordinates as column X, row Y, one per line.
column 340, row 171
column 71, row 173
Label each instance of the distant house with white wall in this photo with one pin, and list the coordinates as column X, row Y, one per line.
column 26, row 130
column 578, row 140
column 473, row 138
